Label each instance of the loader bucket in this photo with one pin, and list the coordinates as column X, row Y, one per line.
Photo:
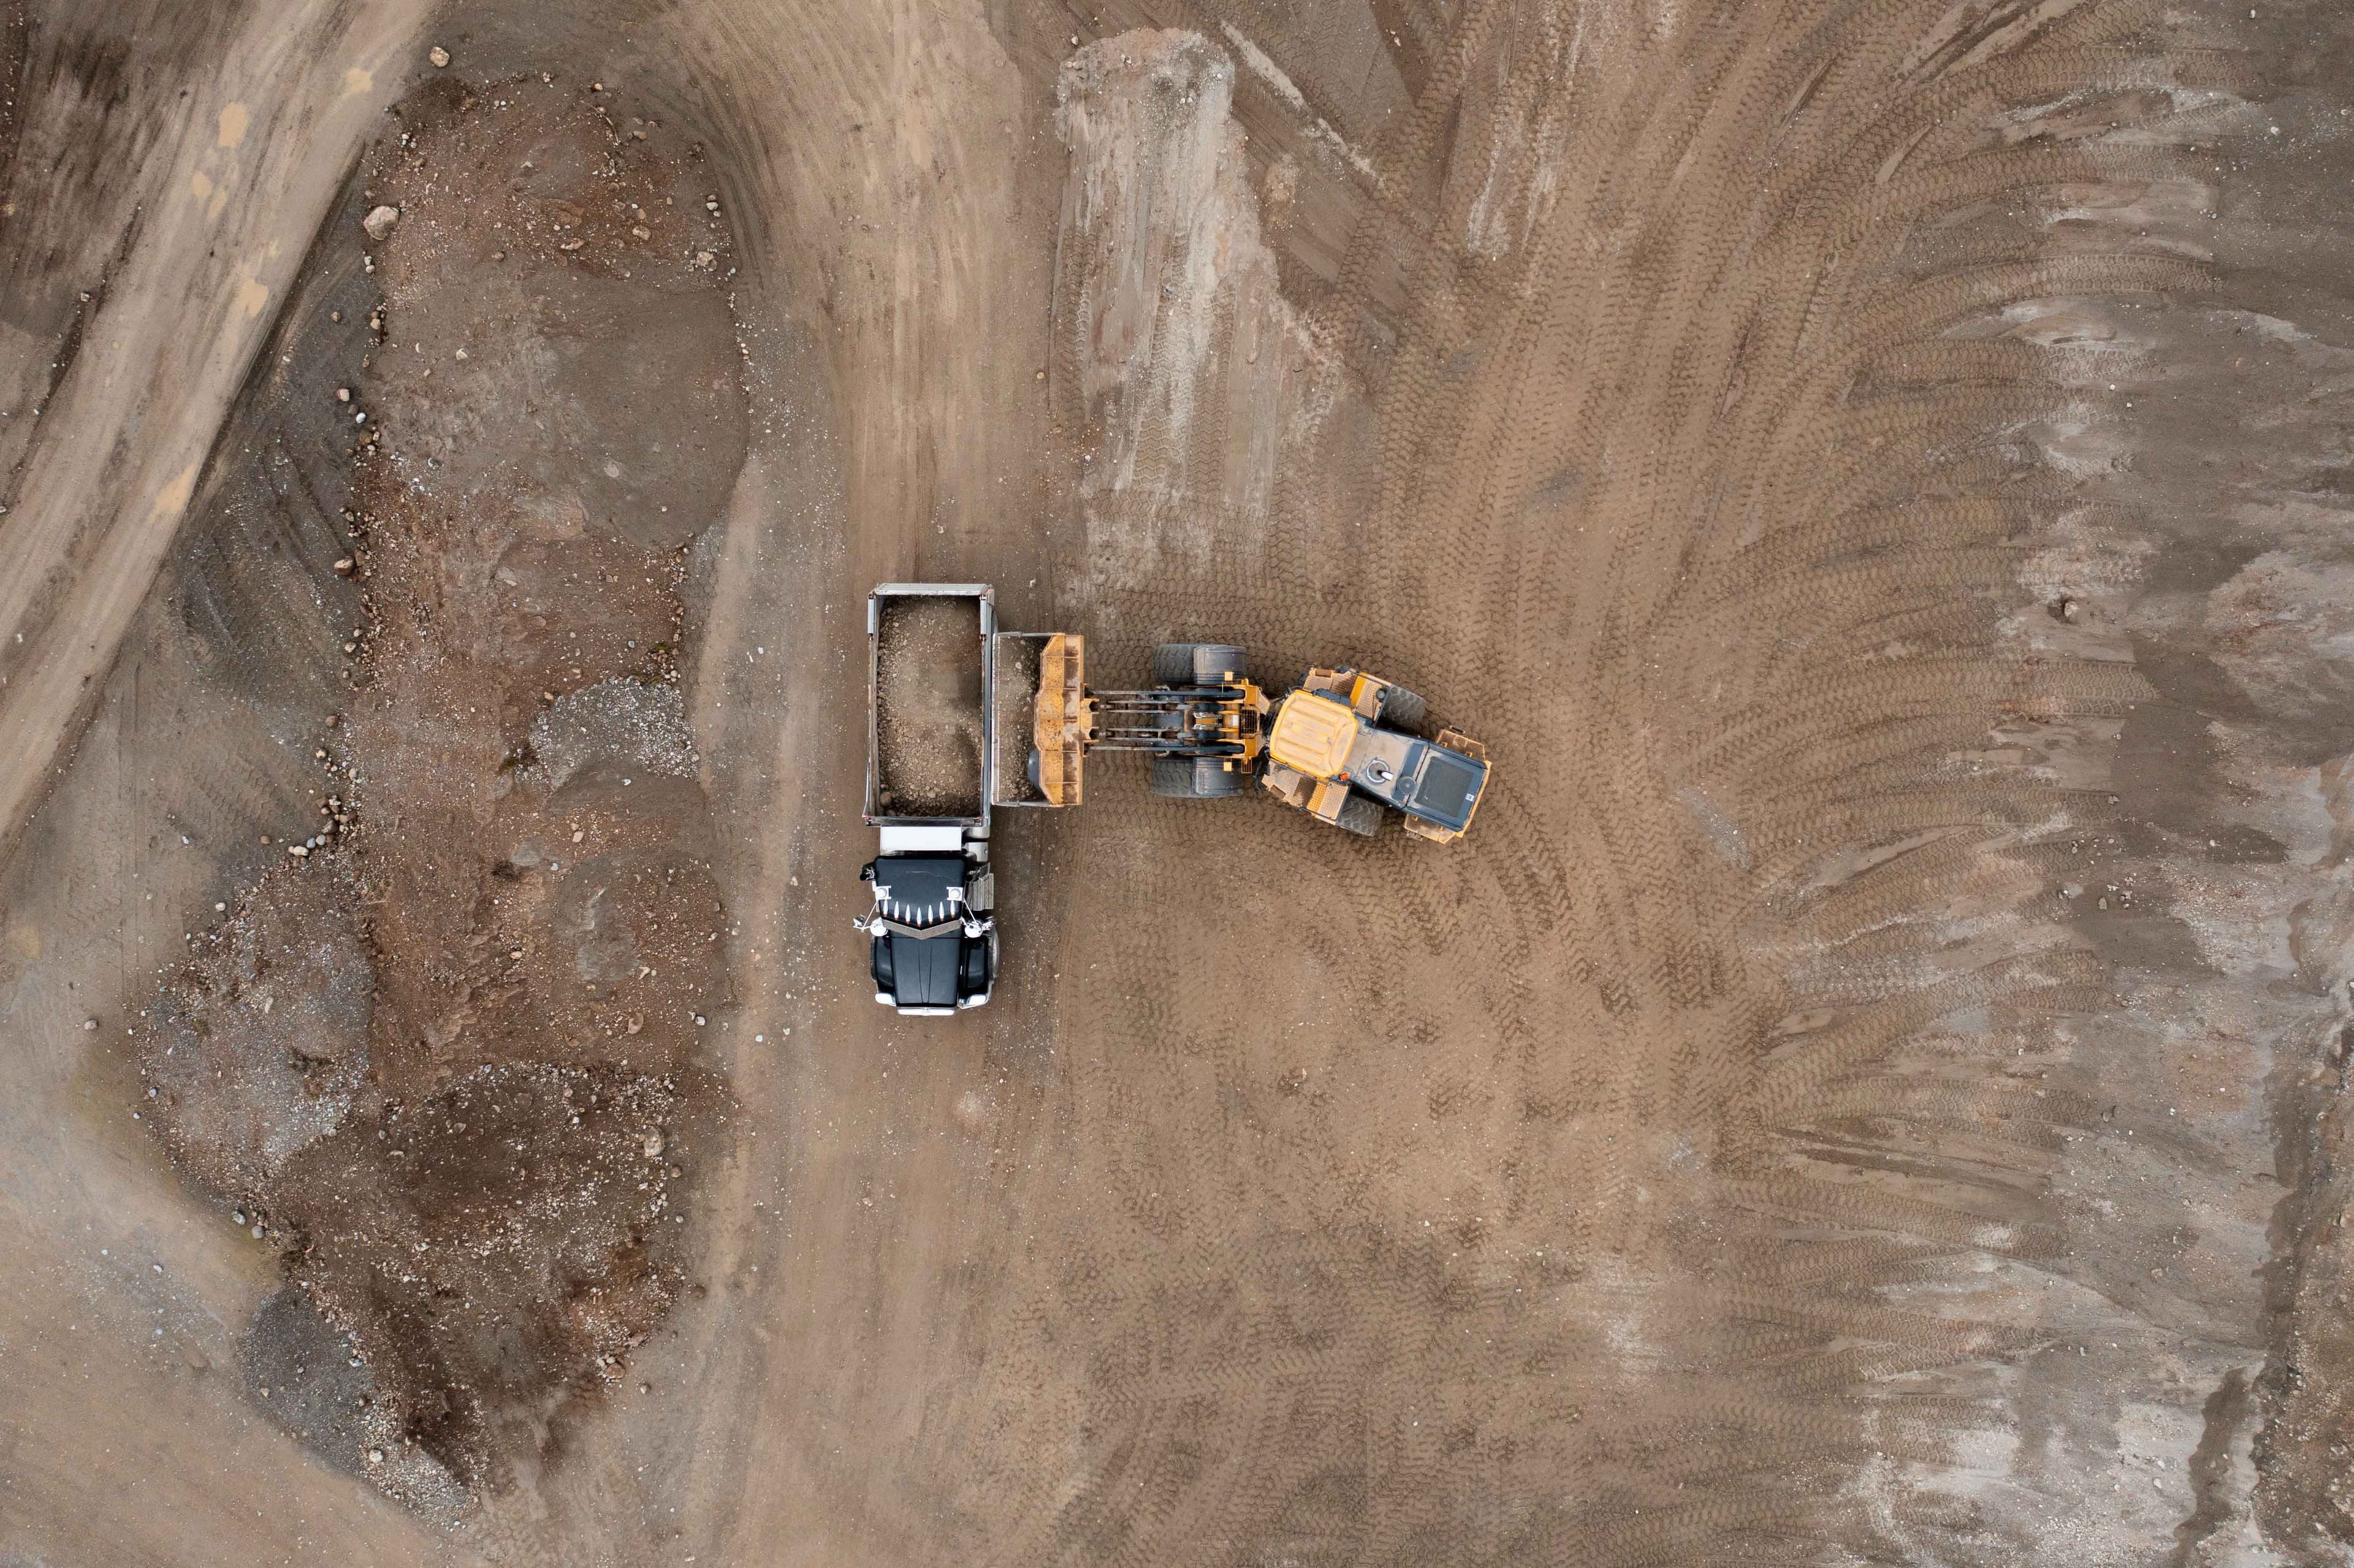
column 1041, row 719
column 1061, row 726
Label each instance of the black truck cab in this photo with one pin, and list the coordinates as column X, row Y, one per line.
column 934, row 937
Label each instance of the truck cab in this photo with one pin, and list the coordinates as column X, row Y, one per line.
column 932, row 930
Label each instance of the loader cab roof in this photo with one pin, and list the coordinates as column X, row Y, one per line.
column 1420, row 777
column 1447, row 788
column 1314, row 735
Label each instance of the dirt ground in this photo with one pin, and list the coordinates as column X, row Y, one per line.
column 1870, row 1089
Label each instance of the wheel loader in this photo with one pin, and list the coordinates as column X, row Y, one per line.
column 1344, row 747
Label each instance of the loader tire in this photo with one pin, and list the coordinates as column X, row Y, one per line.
column 1197, row 664
column 1193, row 778
column 1402, row 709
column 1212, row 780
column 1362, row 815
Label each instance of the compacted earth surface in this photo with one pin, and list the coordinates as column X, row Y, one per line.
column 1870, row 1087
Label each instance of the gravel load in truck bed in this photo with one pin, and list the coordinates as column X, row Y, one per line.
column 927, row 708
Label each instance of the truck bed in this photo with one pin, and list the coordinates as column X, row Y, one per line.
column 930, row 715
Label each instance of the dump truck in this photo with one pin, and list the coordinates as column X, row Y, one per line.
column 963, row 717
column 933, row 927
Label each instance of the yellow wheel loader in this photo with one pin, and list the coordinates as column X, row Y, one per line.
column 1344, row 746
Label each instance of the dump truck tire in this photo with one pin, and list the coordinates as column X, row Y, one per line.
column 1193, row 778
column 1402, row 709
column 1361, row 814
column 1197, row 664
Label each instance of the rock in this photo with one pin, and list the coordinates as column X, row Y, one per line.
column 300, row 852
column 90, row 1023
column 379, row 221
column 653, row 1144
column 342, row 394
column 344, row 565
column 439, row 56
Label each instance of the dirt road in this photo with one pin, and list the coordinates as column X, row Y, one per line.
column 1867, row 1090
column 205, row 202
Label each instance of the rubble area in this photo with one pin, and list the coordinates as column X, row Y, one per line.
column 448, row 1053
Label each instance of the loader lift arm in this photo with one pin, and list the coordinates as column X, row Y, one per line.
column 1220, row 719
column 1209, row 721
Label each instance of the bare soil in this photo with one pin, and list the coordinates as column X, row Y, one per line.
column 262, row 1049
column 1870, row 1090
column 494, row 1247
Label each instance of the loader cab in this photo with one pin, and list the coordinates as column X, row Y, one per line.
column 1429, row 783
column 933, row 937
column 1324, row 750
